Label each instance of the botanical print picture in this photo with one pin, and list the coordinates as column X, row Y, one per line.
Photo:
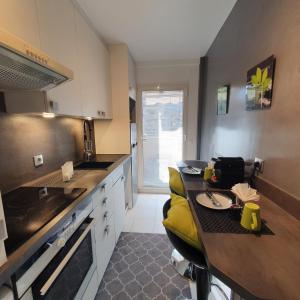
column 259, row 88
column 223, row 100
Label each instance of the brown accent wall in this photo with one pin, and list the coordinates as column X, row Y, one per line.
column 255, row 30
column 21, row 137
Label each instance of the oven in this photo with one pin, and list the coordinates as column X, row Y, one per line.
column 63, row 267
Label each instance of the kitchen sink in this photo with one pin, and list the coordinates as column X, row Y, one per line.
column 93, row 165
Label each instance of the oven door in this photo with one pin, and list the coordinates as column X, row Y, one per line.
column 68, row 274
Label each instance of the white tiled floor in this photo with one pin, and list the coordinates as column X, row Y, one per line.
column 146, row 216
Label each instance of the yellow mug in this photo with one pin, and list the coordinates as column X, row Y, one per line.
column 208, row 172
column 251, row 217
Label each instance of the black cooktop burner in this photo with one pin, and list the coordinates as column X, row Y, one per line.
column 28, row 209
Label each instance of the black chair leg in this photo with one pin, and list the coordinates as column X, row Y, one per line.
column 203, row 284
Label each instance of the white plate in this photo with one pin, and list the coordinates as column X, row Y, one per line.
column 191, row 171
column 205, row 201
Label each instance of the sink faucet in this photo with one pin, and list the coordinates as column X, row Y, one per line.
column 88, row 141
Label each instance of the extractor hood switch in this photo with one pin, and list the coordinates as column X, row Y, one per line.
column 38, row 160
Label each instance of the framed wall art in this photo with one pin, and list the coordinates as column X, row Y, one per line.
column 259, row 88
column 223, row 100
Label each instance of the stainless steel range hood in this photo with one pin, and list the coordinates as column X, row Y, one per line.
column 23, row 67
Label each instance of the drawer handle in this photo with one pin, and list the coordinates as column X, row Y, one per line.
column 106, row 230
column 122, row 178
column 104, row 201
column 105, row 216
column 103, row 187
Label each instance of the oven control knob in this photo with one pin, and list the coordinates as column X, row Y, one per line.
column 61, row 242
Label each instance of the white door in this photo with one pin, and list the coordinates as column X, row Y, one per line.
column 162, row 135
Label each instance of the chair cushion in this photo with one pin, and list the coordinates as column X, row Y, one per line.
column 175, row 182
column 180, row 221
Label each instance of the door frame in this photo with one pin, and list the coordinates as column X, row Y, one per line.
column 153, row 87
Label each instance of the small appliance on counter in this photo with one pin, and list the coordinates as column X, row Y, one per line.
column 3, row 234
column 228, row 171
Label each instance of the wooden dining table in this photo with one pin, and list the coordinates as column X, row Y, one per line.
column 253, row 266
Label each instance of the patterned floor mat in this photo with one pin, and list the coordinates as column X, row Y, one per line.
column 140, row 269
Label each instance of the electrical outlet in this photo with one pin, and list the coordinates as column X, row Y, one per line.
column 260, row 164
column 38, row 160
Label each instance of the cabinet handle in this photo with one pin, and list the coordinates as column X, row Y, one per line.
column 99, row 112
column 106, row 230
column 122, row 178
column 104, row 201
column 105, row 215
column 103, row 187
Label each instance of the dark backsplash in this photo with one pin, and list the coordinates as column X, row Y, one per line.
column 59, row 139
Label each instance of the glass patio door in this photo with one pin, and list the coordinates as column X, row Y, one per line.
column 162, row 135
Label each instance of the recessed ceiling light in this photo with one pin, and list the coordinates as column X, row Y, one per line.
column 89, row 118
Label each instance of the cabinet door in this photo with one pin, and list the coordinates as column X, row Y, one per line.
column 93, row 58
column 118, row 196
column 105, row 244
column 58, row 39
column 105, row 86
column 20, row 18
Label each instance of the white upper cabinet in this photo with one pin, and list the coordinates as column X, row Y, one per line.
column 94, row 71
column 58, row 39
column 20, row 18
column 57, row 27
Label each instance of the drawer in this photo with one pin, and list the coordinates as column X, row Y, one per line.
column 116, row 174
column 105, row 244
column 106, row 185
column 104, row 209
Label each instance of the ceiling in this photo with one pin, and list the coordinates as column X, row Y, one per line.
column 159, row 29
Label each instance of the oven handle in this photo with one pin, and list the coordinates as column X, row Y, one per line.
column 60, row 267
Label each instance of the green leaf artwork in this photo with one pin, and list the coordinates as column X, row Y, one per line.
column 260, row 85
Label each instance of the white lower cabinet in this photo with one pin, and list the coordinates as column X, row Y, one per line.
column 109, row 214
column 105, row 244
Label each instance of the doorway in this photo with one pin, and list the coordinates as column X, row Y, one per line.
column 161, row 136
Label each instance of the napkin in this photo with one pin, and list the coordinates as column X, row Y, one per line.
column 67, row 171
column 245, row 192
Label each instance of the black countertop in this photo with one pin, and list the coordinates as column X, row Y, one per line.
column 88, row 179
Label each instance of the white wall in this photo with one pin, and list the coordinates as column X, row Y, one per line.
column 176, row 73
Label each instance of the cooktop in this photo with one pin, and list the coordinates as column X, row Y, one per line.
column 28, row 209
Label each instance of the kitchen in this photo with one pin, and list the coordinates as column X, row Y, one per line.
column 85, row 180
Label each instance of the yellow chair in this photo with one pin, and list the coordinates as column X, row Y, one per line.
column 180, row 221
column 182, row 233
column 175, row 182
column 193, row 254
